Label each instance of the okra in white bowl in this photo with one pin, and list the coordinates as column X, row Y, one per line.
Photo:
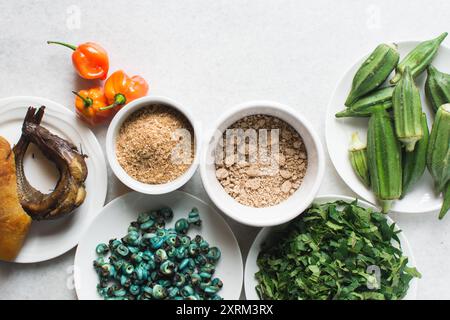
column 401, row 106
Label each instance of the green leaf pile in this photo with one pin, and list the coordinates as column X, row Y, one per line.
column 332, row 251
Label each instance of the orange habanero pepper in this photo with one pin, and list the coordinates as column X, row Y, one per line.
column 88, row 104
column 121, row 89
column 89, row 59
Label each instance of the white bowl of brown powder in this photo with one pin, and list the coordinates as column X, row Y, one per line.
column 263, row 164
column 151, row 145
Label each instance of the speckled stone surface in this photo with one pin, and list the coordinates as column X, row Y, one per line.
column 211, row 55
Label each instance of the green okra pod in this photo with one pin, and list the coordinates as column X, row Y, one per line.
column 373, row 72
column 437, row 88
column 407, row 111
column 438, row 153
column 414, row 163
column 384, row 159
column 358, row 159
column 364, row 106
column 419, row 58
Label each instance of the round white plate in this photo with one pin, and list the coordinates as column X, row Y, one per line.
column 421, row 197
column 114, row 219
column 251, row 267
column 49, row 239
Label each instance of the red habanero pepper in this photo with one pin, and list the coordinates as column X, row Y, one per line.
column 88, row 104
column 89, row 59
column 121, row 89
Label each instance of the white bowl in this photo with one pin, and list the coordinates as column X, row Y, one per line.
column 114, row 128
column 251, row 267
column 297, row 202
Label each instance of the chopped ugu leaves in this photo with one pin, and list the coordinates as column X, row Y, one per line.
column 335, row 250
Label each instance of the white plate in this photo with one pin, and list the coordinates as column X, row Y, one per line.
column 251, row 267
column 114, row 219
column 421, row 197
column 49, row 239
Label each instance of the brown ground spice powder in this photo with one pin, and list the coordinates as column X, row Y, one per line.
column 266, row 181
column 147, row 140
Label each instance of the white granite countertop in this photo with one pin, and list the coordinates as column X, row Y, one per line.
column 211, row 55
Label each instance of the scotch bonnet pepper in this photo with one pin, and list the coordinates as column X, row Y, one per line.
column 89, row 59
column 88, row 104
column 121, row 89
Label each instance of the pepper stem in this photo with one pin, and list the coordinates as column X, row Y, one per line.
column 70, row 46
column 119, row 100
column 87, row 101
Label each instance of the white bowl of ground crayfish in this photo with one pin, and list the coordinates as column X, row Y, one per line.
column 262, row 164
column 151, row 145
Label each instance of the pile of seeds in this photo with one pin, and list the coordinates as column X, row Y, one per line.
column 263, row 178
column 153, row 262
column 151, row 144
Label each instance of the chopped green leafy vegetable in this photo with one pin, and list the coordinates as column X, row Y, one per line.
column 335, row 250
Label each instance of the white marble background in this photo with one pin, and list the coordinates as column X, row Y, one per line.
column 211, row 55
